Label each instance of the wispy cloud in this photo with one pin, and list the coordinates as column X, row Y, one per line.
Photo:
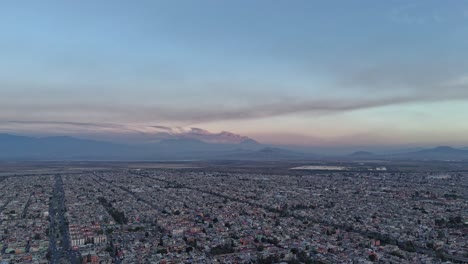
column 164, row 128
column 186, row 116
column 65, row 123
column 356, row 89
column 109, row 131
column 123, row 114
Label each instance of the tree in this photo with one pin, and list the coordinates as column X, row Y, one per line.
column 222, row 249
column 268, row 260
column 409, row 246
column 162, row 251
column 373, row 257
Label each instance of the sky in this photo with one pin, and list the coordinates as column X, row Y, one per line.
column 296, row 72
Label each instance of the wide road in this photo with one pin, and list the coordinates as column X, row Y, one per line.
column 59, row 227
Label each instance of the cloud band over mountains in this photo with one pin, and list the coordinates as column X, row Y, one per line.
column 48, row 114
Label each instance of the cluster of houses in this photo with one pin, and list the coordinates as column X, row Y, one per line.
column 196, row 216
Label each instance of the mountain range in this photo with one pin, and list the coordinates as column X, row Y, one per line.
column 13, row 147
column 224, row 146
column 438, row 153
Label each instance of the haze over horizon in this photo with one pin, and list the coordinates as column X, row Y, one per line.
column 306, row 73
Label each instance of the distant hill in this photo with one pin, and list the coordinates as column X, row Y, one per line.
column 62, row 148
column 250, row 143
column 68, row 148
column 438, row 153
column 361, row 154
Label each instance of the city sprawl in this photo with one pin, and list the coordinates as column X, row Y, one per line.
column 163, row 215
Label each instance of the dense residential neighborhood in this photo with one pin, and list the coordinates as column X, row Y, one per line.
column 225, row 216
